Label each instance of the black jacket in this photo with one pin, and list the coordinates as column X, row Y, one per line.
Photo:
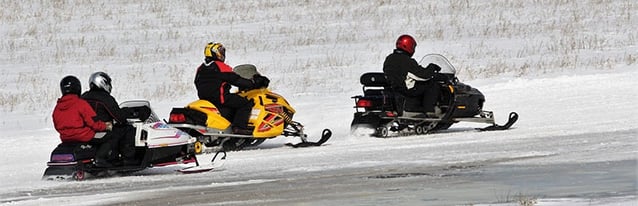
column 105, row 106
column 213, row 81
column 397, row 66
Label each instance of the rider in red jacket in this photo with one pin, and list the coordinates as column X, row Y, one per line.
column 72, row 116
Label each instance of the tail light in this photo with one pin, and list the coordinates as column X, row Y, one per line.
column 364, row 103
column 177, row 118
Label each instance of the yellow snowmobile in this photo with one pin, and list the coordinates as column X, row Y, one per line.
column 271, row 117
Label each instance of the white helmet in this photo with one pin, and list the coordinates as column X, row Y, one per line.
column 100, row 80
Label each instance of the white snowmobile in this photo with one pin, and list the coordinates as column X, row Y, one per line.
column 156, row 144
column 382, row 111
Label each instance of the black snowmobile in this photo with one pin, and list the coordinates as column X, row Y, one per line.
column 156, row 144
column 382, row 111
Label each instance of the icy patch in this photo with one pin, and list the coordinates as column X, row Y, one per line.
column 611, row 201
column 248, row 182
column 359, row 164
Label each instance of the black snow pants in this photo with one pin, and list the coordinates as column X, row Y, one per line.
column 236, row 109
column 119, row 141
column 422, row 97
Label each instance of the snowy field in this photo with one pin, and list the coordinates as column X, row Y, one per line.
column 567, row 67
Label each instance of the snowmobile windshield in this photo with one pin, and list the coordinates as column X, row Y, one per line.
column 446, row 67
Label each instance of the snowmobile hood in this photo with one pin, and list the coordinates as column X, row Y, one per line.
column 67, row 101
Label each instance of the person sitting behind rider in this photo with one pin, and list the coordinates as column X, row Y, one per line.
column 73, row 118
column 400, row 68
column 122, row 137
column 213, row 81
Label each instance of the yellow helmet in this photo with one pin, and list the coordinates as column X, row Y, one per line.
column 215, row 51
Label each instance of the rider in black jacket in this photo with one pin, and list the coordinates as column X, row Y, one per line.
column 213, row 82
column 122, row 136
column 408, row 78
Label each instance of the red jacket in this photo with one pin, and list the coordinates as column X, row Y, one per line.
column 73, row 119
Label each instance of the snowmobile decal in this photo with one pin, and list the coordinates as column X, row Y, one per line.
column 160, row 125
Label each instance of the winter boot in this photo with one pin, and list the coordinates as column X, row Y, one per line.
column 128, row 154
column 436, row 114
column 101, row 155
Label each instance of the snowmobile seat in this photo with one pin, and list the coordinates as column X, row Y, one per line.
column 376, row 91
column 374, row 79
column 377, row 88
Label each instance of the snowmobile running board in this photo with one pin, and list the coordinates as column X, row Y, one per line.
column 488, row 119
column 325, row 135
column 209, row 131
column 462, row 119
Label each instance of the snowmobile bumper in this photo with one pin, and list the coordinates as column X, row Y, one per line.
column 207, row 131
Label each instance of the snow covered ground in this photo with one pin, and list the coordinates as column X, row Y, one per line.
column 567, row 67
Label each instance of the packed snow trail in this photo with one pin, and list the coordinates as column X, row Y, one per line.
column 566, row 123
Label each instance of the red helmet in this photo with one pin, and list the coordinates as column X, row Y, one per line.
column 406, row 43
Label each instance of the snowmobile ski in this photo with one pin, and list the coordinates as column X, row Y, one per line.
column 495, row 127
column 325, row 135
column 207, row 167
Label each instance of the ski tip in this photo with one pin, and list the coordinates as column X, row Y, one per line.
column 513, row 117
column 325, row 135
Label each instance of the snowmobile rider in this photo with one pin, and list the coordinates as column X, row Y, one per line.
column 122, row 137
column 213, row 81
column 73, row 118
column 401, row 70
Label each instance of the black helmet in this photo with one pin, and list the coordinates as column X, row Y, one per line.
column 70, row 85
column 100, row 80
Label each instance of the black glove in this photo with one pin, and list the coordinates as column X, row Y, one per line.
column 142, row 113
column 433, row 67
column 260, row 81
